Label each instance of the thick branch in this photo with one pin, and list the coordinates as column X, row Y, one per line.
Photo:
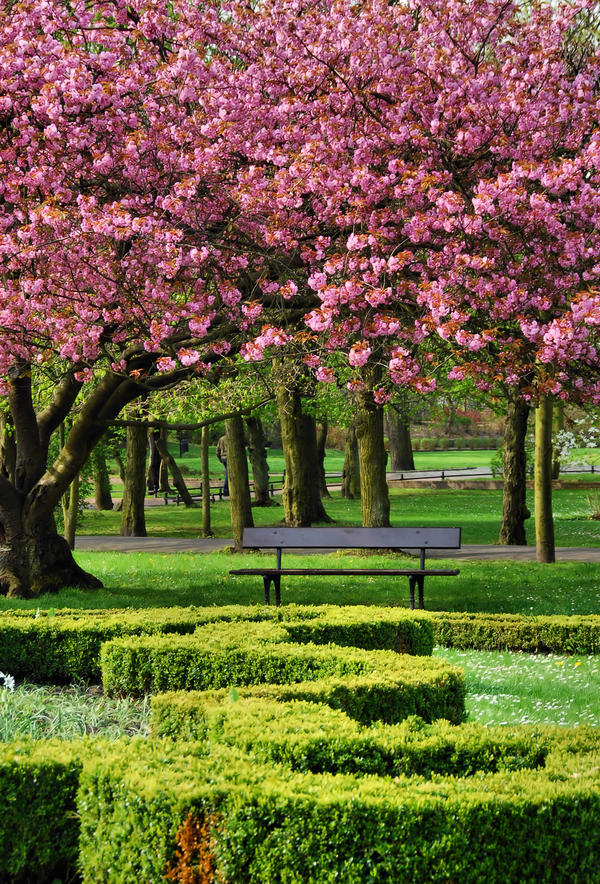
column 31, row 455
column 54, row 414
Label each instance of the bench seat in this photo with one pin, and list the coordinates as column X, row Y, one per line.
column 350, row 538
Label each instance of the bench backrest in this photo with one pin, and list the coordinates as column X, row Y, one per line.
column 352, row 538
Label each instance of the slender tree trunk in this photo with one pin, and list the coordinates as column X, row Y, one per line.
column 559, row 425
column 239, row 485
column 542, row 480
column 102, row 492
column 351, row 469
column 170, row 463
column 301, row 498
column 70, row 512
column 514, row 505
column 257, row 450
column 161, row 441
column 374, row 495
column 153, row 472
column 133, row 521
column 398, row 433
column 322, row 428
column 206, row 529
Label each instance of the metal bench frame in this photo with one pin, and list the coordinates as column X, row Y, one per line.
column 401, row 539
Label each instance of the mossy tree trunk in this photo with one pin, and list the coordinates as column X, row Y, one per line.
column 164, row 464
column 34, row 559
column 257, row 450
column 322, row 428
column 514, row 505
column 351, row 468
column 374, row 494
column 170, row 464
column 70, row 512
column 133, row 520
column 102, row 491
column 206, row 528
column 542, row 480
column 153, row 471
column 239, row 485
column 301, row 499
column 400, row 443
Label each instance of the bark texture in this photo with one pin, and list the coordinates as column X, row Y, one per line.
column 374, row 495
column 400, row 443
column 351, row 468
column 514, row 505
column 133, row 521
column 322, row 428
column 239, row 485
column 257, row 450
column 170, row 465
column 542, row 481
column 301, row 498
column 102, row 491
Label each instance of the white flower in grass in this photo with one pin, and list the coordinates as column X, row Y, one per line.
column 7, row 681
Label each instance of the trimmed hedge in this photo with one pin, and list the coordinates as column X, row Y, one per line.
column 65, row 646
column 514, row 632
column 225, row 655
column 258, row 823
column 308, row 737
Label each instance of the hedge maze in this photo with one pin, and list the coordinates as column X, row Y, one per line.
column 297, row 745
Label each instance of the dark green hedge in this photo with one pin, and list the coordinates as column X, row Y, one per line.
column 225, row 655
column 38, row 826
column 65, row 646
column 310, row 737
column 514, row 632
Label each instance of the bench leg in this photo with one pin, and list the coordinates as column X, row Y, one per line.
column 277, row 585
column 411, row 586
column 267, row 583
column 420, row 584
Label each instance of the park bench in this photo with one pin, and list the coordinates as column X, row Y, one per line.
column 401, row 539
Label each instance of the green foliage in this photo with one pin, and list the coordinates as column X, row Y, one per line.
column 226, row 655
column 561, row 635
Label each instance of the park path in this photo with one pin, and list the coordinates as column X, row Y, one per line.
column 165, row 545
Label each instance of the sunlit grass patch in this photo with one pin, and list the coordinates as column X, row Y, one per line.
column 514, row 688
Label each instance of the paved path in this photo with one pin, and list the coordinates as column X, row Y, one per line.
column 212, row 544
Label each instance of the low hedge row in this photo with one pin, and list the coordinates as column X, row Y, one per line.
column 308, row 737
column 227, row 654
column 65, row 646
column 514, row 632
column 153, row 810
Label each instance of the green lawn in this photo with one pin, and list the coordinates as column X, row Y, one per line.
column 478, row 512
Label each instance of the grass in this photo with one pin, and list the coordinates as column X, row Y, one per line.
column 477, row 511
column 43, row 712
column 509, row 689
column 144, row 580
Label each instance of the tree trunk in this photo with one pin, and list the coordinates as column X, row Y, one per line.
column 169, row 462
column 133, row 521
column 559, row 425
column 239, row 486
column 257, row 450
column 321, row 442
column 206, row 529
column 8, row 448
column 153, row 473
column 102, row 492
column 351, row 469
column 301, row 499
column 374, row 495
column 161, row 440
column 514, row 505
column 542, row 480
column 71, row 511
column 398, row 433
